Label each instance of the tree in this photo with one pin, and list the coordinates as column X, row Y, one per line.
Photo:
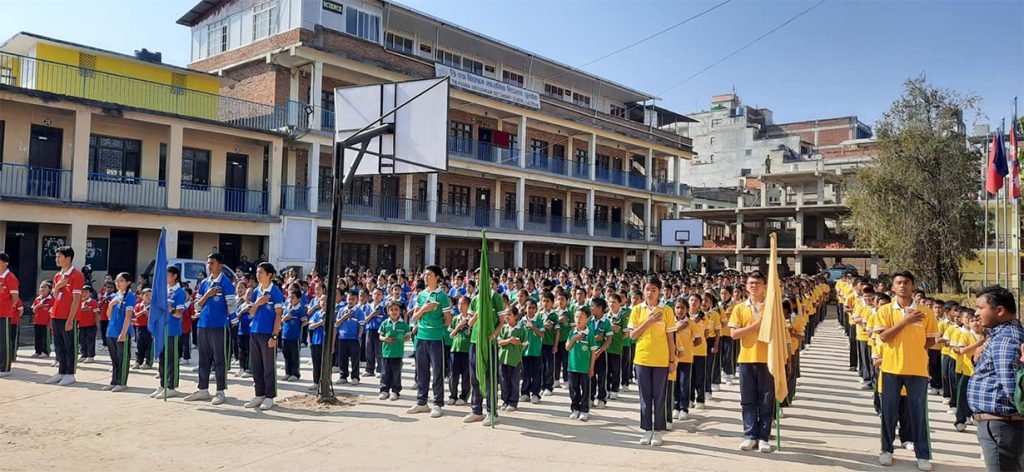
column 916, row 205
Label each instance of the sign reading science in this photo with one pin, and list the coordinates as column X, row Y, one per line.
column 489, row 87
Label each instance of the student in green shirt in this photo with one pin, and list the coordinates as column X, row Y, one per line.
column 618, row 322
column 601, row 326
column 510, row 355
column 550, row 343
column 565, row 323
column 533, row 321
column 460, row 354
column 580, row 346
column 393, row 333
column 432, row 316
column 477, row 400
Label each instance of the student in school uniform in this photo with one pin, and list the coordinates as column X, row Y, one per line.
column 393, row 334
column 106, row 293
column 169, row 367
column 533, row 322
column 949, row 329
column 619, row 322
column 510, row 354
column 184, row 343
column 859, row 318
column 432, row 316
column 905, row 432
column 756, row 382
column 651, row 327
column 907, row 329
column 41, row 307
column 601, row 326
column 291, row 331
column 480, row 403
column 627, row 343
column 580, row 345
column 144, row 339
column 87, row 318
column 315, row 330
column 460, row 373
column 266, row 314
column 713, row 325
column 240, row 326
column 348, row 324
column 698, row 374
column 119, row 331
column 727, row 353
column 375, row 314
column 547, row 350
column 67, row 285
column 685, row 337
column 971, row 339
column 216, row 300
column 564, row 325
column 9, row 315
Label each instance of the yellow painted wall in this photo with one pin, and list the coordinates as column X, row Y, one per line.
column 198, row 98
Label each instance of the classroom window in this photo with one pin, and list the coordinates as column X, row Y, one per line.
column 580, row 99
column 110, row 156
column 362, row 24
column 558, row 150
column 617, row 110
column 355, row 255
column 449, row 59
column 601, row 213
column 217, row 37
column 474, row 66
column 7, row 76
column 539, row 147
column 361, row 191
column 536, row 260
column 462, row 136
column 264, row 19
column 398, row 43
column 554, row 91
column 195, row 168
column 602, row 161
column 579, row 211
column 538, row 209
column 458, row 199
column 512, row 78
column 457, row 258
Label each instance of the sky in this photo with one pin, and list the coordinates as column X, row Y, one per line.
column 842, row 58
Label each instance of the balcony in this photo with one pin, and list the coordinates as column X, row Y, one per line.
column 663, row 186
column 74, row 81
column 471, row 149
column 17, row 180
column 211, row 199
column 127, row 191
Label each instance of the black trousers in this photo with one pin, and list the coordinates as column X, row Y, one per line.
column 244, row 360
column 119, row 356
column 935, row 368
column 682, row 386
column 697, row 378
column 290, row 349
column 851, row 334
column 316, row 352
column 391, row 375
column 547, row 367
column 87, row 341
column 627, row 365
column 477, row 399
column 1002, row 445
column 510, row 382
column 374, row 360
column 460, row 376
column 235, row 344
column 579, row 392
column 103, row 331
column 714, row 363
column 263, row 369
column 430, row 371
column 348, row 355
column 212, row 356
column 562, row 364
column 949, row 380
column 531, row 372
column 169, row 367
column 864, row 367
column 7, row 344
column 614, row 364
column 727, row 358
column 42, row 339
column 143, row 346
column 64, row 346
column 651, row 382
column 599, row 382
column 185, row 346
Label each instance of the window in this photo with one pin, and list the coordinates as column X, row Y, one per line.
column 458, row 199
column 217, row 37
column 186, row 242
column 195, row 168
column 361, row 191
column 264, row 20
column 457, row 258
column 603, row 161
column 362, row 24
column 538, row 209
column 462, row 136
column 539, row 147
column 355, row 255
column 554, row 91
column 536, row 260
column 7, row 76
column 512, row 78
column 510, row 206
column 580, row 99
column 558, row 150
column 716, row 122
column 579, row 211
column 398, row 43
column 449, row 59
column 110, row 156
column 470, row 65
column 617, row 111
column 601, row 213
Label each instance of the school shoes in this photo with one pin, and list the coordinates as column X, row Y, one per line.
column 600, row 404
column 534, row 399
column 646, row 440
column 88, row 360
column 354, row 381
column 960, row 427
column 198, row 396
column 239, row 373
column 748, row 445
column 933, row 391
column 393, row 397
column 4, row 374
column 450, row 401
column 584, row 417
column 656, row 439
column 715, row 387
column 54, row 364
column 924, row 464
column 472, row 418
column 171, row 393
column 683, row 415
column 951, row 411
column 668, row 426
column 490, row 420
column 763, row 446
column 254, row 403
column 511, row 409
column 699, row 406
column 136, row 366
column 675, row 414
column 382, row 396
column 158, row 392
column 574, row 415
column 118, row 388
column 524, row 398
column 246, row 374
column 107, row 388
column 418, row 409
column 885, row 458
column 52, row 380
column 613, row 396
column 341, row 381
column 218, row 399
column 435, row 411
column 267, row 404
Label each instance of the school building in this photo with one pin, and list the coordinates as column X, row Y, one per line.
column 100, row 149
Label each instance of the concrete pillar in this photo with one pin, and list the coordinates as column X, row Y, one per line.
column 647, row 259
column 874, row 266
column 648, row 214
column 290, row 163
column 293, row 84
column 592, row 158
column 819, row 228
column 175, row 141
column 649, row 170
column 677, row 171
column 274, row 244
column 517, row 255
column 764, row 193
column 800, row 195
column 80, row 159
column 498, row 201
column 799, row 229
column 429, row 248
column 567, row 210
column 588, row 256
column 313, row 179
column 521, row 203
column 739, row 263
column 522, row 141
column 799, row 262
column 570, row 154
column 274, row 179
column 591, row 195
column 739, row 231
column 432, row 198
column 567, row 260
column 407, row 252
column 821, row 190
column 409, row 195
column 315, row 88
column 77, row 240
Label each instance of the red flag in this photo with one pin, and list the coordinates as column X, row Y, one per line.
column 1014, row 159
column 996, row 166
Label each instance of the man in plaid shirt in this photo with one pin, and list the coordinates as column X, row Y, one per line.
column 991, row 389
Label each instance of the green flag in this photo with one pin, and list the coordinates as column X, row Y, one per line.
column 485, row 321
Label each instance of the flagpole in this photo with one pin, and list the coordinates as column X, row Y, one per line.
column 997, row 238
column 984, row 168
column 1016, row 204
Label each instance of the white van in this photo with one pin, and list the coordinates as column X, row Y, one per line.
column 190, row 269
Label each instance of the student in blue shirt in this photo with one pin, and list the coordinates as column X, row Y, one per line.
column 217, row 299
column 243, row 322
column 316, row 339
column 374, row 315
column 169, row 357
column 119, row 331
column 293, row 321
column 266, row 325
column 348, row 322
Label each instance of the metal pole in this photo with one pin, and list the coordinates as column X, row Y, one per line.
column 983, row 190
column 998, row 242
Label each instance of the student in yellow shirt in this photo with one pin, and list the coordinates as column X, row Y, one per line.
column 907, row 331
column 971, row 338
column 728, row 347
column 684, row 341
column 795, row 325
column 949, row 329
column 906, row 433
column 853, row 302
column 859, row 318
column 713, row 373
column 756, row 383
column 698, row 375
column 650, row 326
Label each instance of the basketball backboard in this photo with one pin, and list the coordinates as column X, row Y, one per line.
column 687, row 232
column 417, row 110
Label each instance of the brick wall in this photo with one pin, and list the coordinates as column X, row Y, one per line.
column 249, row 51
column 259, row 82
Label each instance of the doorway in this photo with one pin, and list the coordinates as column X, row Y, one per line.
column 235, row 182
column 616, row 222
column 230, row 246
column 556, row 217
column 483, row 150
column 44, row 158
column 390, row 204
column 483, row 207
column 123, row 252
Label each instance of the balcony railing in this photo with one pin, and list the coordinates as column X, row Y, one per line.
column 127, row 191
column 18, row 180
column 74, row 81
column 471, row 149
column 663, row 186
column 223, row 199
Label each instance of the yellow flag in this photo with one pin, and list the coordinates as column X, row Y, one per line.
column 773, row 328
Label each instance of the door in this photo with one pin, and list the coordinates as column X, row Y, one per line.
column 390, row 204
column 230, row 246
column 386, row 257
column 616, row 263
column 123, row 251
column 21, row 244
column 44, row 156
column 235, row 182
column 484, row 150
column 483, row 207
column 557, row 216
column 616, row 222
column 554, row 260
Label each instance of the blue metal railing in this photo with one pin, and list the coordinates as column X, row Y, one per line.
column 609, row 175
column 663, row 186
column 295, row 198
column 20, row 180
column 637, row 180
column 579, row 169
column 128, row 191
column 471, row 149
column 224, row 200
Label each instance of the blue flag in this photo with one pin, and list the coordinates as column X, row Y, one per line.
column 159, row 309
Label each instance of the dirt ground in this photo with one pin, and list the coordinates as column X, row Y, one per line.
column 831, row 426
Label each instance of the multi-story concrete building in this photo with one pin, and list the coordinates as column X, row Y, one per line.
column 733, row 140
column 234, row 154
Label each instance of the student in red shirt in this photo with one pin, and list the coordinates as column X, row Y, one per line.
column 144, row 342
column 8, row 315
column 184, row 346
column 87, row 317
column 41, row 307
column 67, row 285
column 106, row 294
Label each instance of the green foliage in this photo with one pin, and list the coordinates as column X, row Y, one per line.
column 916, row 205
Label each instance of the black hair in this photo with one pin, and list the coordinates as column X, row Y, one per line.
column 438, row 272
column 216, row 256
column 600, row 302
column 883, row 298
column 997, row 296
column 868, row 289
column 547, row 296
column 66, row 251
column 126, row 276
column 267, row 267
column 757, row 275
column 905, row 274
column 655, row 282
column 176, row 271
column 5, row 258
